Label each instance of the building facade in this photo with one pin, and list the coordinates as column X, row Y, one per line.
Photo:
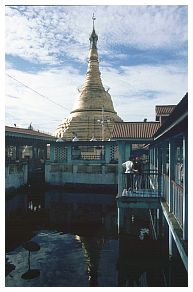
column 169, row 155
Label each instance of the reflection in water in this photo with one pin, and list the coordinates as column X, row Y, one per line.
column 142, row 259
column 79, row 244
column 31, row 246
column 9, row 267
column 93, row 247
column 144, row 233
column 31, row 274
column 92, row 217
column 137, row 257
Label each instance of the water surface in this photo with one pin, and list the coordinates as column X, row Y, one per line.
column 79, row 244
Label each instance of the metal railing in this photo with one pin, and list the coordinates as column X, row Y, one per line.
column 88, row 152
column 177, row 202
column 145, row 184
column 91, row 157
column 87, row 157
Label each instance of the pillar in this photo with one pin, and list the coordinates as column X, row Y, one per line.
column 150, row 158
column 128, row 147
column 159, row 223
column 25, row 172
column 172, row 156
column 155, row 221
column 121, row 159
column 107, row 152
column 124, row 151
column 159, row 159
column 164, row 157
column 122, row 213
column 185, row 186
column 52, row 148
column 44, row 148
column 34, row 152
column 17, row 154
column 173, row 251
column 153, row 158
column 69, row 153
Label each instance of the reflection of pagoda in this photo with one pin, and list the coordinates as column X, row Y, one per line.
column 92, row 247
column 93, row 114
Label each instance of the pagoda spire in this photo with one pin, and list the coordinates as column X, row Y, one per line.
column 92, row 87
column 93, row 37
column 92, row 100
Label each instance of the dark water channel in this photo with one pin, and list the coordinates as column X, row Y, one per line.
column 80, row 246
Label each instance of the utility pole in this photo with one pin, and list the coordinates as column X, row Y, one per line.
column 102, row 121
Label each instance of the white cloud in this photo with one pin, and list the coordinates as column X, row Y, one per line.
column 58, row 85
column 135, row 91
column 51, row 35
column 41, row 34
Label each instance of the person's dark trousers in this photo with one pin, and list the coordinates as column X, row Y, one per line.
column 129, row 181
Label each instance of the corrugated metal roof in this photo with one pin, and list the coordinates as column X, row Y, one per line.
column 135, row 130
column 28, row 132
column 164, row 109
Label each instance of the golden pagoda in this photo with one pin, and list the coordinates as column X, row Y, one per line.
column 93, row 114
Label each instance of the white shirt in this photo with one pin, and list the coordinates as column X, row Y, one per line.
column 128, row 165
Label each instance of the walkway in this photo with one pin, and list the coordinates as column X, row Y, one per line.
column 148, row 193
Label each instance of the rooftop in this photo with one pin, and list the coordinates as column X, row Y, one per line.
column 16, row 130
column 135, row 130
column 164, row 109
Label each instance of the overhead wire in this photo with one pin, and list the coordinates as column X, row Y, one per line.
column 35, row 91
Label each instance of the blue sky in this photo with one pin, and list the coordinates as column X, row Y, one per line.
column 142, row 51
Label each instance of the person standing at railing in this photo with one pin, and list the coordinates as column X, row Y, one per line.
column 128, row 165
column 137, row 168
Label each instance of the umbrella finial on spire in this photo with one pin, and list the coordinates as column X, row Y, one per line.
column 93, row 18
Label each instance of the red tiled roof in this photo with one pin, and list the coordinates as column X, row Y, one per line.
column 164, row 109
column 135, row 130
column 28, row 132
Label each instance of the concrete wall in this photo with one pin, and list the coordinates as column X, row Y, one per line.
column 65, row 167
column 16, row 175
column 62, row 173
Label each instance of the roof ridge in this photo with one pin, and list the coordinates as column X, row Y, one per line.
column 156, row 122
column 27, row 131
column 166, row 105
